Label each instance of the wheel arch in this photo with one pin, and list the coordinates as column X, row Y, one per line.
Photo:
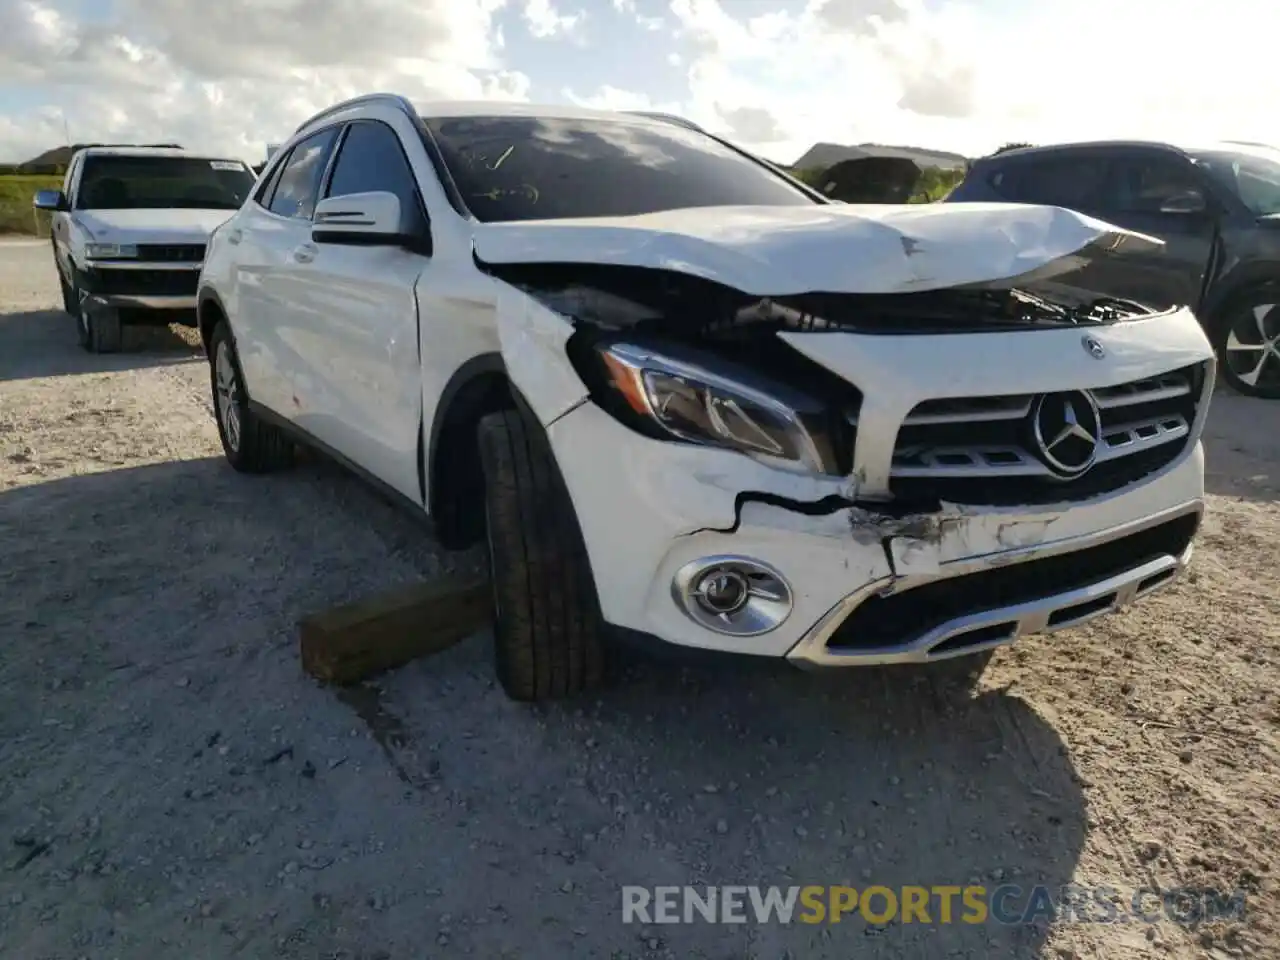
column 455, row 478
column 1240, row 284
column 209, row 310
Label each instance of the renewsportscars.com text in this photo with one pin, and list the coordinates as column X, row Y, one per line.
column 939, row 904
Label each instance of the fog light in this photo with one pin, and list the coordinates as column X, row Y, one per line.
column 733, row 595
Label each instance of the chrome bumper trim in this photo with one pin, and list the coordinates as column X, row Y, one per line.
column 1002, row 625
column 143, row 301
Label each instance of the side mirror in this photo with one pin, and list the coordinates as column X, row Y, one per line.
column 1185, row 203
column 51, row 200
column 372, row 218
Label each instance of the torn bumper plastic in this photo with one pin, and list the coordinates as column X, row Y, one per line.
column 648, row 509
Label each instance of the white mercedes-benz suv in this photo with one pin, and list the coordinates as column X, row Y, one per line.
column 687, row 400
column 129, row 229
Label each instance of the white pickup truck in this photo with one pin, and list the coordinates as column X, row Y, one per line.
column 129, row 230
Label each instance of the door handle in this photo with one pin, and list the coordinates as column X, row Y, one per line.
column 305, row 253
column 235, row 236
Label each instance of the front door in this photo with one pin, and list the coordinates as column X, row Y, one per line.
column 1155, row 194
column 354, row 309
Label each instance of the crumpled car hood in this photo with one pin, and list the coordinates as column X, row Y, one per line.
column 836, row 248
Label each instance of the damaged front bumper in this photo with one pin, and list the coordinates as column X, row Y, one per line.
column 865, row 587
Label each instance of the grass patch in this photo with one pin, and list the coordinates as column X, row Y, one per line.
column 16, row 214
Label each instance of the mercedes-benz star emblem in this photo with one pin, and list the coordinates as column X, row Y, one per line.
column 1093, row 347
column 1068, row 431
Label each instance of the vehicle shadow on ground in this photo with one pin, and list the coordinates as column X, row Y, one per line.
column 42, row 343
column 1242, row 447
column 162, row 600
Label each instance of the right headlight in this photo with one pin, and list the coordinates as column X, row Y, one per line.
column 687, row 401
column 110, row 251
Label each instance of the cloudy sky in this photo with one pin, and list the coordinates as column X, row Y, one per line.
column 777, row 75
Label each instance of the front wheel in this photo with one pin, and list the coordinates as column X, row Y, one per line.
column 1247, row 341
column 98, row 330
column 250, row 444
column 547, row 622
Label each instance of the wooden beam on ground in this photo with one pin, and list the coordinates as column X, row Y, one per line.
column 353, row 642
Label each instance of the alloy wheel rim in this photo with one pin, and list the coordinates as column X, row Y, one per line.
column 1253, row 346
column 227, row 387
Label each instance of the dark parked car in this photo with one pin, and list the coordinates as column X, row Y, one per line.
column 1217, row 209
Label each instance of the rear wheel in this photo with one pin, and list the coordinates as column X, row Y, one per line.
column 250, row 444
column 547, row 622
column 1247, row 341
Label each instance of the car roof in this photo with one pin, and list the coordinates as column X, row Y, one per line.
column 443, row 109
column 142, row 151
column 1183, row 149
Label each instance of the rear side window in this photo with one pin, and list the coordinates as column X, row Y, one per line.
column 369, row 159
column 299, row 184
column 263, row 196
column 1073, row 182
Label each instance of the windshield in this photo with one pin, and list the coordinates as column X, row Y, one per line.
column 148, row 183
column 1253, row 177
column 530, row 168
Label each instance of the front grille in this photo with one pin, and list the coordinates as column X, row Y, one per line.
column 146, row 283
column 890, row 620
column 981, row 450
column 171, row 252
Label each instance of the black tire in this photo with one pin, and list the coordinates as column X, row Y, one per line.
column 101, row 330
column 250, row 445
column 1238, row 317
column 547, row 623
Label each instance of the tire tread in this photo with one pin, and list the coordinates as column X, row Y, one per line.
column 547, row 634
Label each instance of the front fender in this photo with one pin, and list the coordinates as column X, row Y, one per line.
column 532, row 339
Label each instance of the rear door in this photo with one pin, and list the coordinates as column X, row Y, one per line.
column 267, row 233
column 354, row 315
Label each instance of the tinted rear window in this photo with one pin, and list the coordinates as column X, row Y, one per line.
column 528, row 168
column 132, row 183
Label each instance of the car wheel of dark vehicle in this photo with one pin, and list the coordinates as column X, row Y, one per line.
column 1247, row 341
column 547, row 624
column 251, row 445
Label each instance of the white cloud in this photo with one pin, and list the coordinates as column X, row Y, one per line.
column 968, row 77
column 235, row 74
column 953, row 74
column 545, row 21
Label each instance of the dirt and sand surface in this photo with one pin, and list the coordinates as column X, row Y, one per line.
column 172, row 785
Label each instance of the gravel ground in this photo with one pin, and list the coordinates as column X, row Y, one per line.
column 172, row 785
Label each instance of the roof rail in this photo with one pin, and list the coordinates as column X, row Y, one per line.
column 135, row 146
column 668, row 117
column 391, row 99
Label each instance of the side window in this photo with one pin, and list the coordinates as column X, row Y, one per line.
column 1072, row 182
column 371, row 158
column 263, row 196
column 1144, row 184
column 299, row 183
